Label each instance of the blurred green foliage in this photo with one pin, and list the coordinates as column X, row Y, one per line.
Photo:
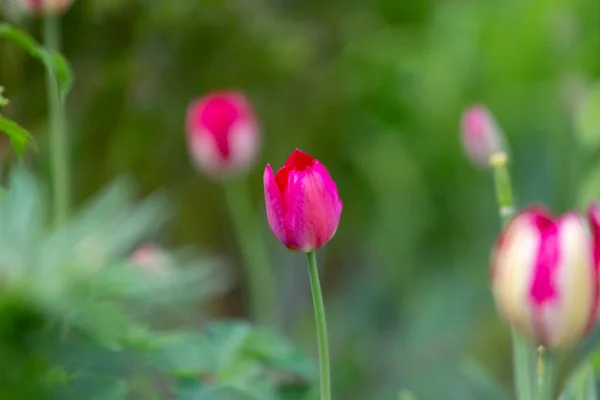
column 375, row 91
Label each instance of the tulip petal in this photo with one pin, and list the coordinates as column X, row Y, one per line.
column 594, row 218
column 244, row 143
column 314, row 208
column 298, row 232
column 274, row 205
column 512, row 268
column 330, row 205
column 204, row 153
column 566, row 319
column 299, row 160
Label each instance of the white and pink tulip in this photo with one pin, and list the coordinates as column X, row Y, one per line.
column 545, row 275
column 222, row 132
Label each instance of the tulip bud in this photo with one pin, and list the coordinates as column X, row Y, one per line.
column 223, row 136
column 45, row 6
column 481, row 136
column 150, row 258
column 303, row 205
column 545, row 277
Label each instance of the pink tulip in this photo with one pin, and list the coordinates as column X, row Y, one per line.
column 223, row 136
column 45, row 6
column 481, row 136
column 303, row 205
column 545, row 276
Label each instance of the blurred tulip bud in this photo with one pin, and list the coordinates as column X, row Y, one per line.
column 481, row 136
column 45, row 6
column 223, row 136
column 150, row 258
column 303, row 205
column 545, row 276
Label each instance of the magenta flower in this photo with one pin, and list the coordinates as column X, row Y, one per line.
column 481, row 136
column 303, row 205
column 45, row 6
column 545, row 276
column 223, row 136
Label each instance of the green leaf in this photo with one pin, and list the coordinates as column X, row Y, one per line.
column 55, row 63
column 19, row 137
column 589, row 189
column 582, row 385
column 280, row 354
column 184, row 355
column 587, row 120
column 229, row 340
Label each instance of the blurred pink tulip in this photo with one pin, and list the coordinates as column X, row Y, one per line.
column 223, row 136
column 45, row 6
column 545, row 276
column 481, row 136
column 302, row 201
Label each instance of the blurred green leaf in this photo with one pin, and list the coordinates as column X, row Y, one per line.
column 589, row 190
column 485, row 384
column 237, row 341
column 183, row 355
column 587, row 120
column 234, row 360
column 280, row 354
column 55, row 63
column 582, row 385
column 76, row 284
column 19, row 137
column 116, row 391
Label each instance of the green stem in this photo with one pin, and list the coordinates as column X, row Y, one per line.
column 315, row 286
column 545, row 374
column 504, row 192
column 522, row 352
column 58, row 139
column 249, row 237
column 522, row 368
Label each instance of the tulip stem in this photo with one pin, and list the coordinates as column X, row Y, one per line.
column 313, row 272
column 522, row 356
column 522, row 351
column 545, row 374
column 256, row 261
column 58, row 139
column 504, row 192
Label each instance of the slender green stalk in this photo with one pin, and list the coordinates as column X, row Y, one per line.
column 522, row 352
column 522, row 368
column 545, row 374
column 504, row 192
column 315, row 286
column 58, row 140
column 249, row 237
